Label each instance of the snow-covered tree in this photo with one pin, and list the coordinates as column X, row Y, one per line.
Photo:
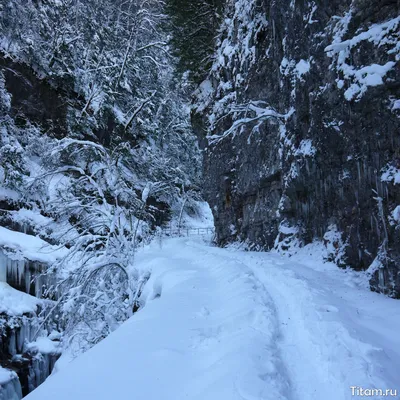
column 125, row 160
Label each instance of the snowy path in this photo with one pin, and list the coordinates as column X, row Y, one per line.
column 229, row 325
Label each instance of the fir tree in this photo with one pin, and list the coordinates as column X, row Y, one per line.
column 194, row 25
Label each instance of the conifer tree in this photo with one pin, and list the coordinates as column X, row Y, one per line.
column 193, row 26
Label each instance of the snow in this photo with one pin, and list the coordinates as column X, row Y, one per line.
column 236, row 49
column 6, row 375
column 204, row 95
column 334, row 244
column 396, row 214
column 230, row 324
column 14, row 302
column 200, row 216
column 287, row 230
column 119, row 115
column 396, row 105
column 6, row 193
column 383, row 34
column 146, row 192
column 261, row 113
column 34, row 217
column 391, row 174
column 371, row 75
column 302, row 68
column 31, row 247
column 44, row 345
column 376, row 33
column 309, row 17
column 306, row 148
column 10, row 388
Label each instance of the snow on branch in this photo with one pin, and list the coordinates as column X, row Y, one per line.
column 64, row 143
column 154, row 44
column 139, row 108
column 259, row 114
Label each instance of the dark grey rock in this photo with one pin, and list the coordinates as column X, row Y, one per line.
column 259, row 179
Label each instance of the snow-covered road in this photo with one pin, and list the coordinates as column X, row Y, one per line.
column 223, row 324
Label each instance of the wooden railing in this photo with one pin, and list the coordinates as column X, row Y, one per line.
column 173, row 232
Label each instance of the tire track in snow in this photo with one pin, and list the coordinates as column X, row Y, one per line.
column 244, row 312
column 324, row 357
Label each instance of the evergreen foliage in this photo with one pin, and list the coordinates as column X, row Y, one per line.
column 194, row 25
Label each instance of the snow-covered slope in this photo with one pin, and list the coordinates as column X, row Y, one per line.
column 224, row 324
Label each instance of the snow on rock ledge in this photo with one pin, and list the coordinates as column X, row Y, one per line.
column 30, row 247
column 13, row 302
column 24, row 260
column 380, row 35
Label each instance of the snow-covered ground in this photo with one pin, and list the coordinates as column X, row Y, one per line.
column 224, row 324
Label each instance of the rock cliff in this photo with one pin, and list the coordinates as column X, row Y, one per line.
column 299, row 122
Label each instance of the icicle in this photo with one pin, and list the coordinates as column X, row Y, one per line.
column 3, row 267
column 41, row 368
column 12, row 344
column 11, row 390
column 28, row 280
column 23, row 335
column 381, row 277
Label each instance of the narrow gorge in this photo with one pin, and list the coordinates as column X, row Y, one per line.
column 127, row 125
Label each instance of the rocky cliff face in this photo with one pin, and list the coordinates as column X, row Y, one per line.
column 299, row 121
